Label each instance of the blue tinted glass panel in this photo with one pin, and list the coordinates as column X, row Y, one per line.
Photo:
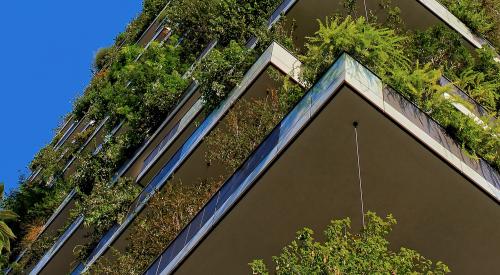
column 78, row 269
column 195, row 225
column 210, row 208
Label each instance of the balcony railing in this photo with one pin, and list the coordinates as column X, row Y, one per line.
column 276, row 55
column 55, row 248
column 66, row 135
column 170, row 137
column 345, row 69
column 192, row 89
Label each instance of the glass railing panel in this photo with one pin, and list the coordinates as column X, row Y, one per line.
column 174, row 133
column 34, row 175
column 282, row 8
column 66, row 135
column 59, row 243
column 246, row 174
column 195, row 224
column 78, row 269
column 104, row 240
column 180, row 241
column 477, row 108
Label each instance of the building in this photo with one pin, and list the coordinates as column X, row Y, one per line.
column 307, row 169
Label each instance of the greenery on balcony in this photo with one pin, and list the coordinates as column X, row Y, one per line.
column 481, row 16
column 345, row 252
column 129, row 91
column 228, row 145
column 395, row 59
column 141, row 92
column 384, row 50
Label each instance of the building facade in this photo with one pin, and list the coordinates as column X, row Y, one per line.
column 349, row 143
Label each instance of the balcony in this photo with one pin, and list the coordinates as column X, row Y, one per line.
column 168, row 138
column 60, row 216
column 154, row 29
column 57, row 258
column 417, row 15
column 187, row 162
column 410, row 168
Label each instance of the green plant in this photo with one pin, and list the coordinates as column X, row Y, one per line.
column 481, row 16
column 150, row 9
column 106, row 205
column 220, row 71
column 102, row 58
column 168, row 212
column 6, row 233
column 388, row 60
column 344, row 252
column 376, row 47
column 245, row 126
column 224, row 20
column 478, row 75
column 243, row 129
column 36, row 251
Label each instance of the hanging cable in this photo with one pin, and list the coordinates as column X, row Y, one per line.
column 366, row 10
column 355, row 124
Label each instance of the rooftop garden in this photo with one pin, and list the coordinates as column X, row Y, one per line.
column 141, row 92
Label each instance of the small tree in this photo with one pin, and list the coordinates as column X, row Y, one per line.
column 6, row 233
column 346, row 253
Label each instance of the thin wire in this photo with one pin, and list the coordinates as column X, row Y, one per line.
column 359, row 177
column 366, row 11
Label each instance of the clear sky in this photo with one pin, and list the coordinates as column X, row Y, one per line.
column 46, row 50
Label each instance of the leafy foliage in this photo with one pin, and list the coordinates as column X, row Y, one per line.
column 102, row 58
column 374, row 46
column 142, row 91
column 242, row 130
column 478, row 74
column 6, row 233
column 150, row 9
column 167, row 214
column 107, row 205
column 245, row 126
column 220, row 71
column 344, row 252
column 389, row 59
column 223, row 20
column 481, row 16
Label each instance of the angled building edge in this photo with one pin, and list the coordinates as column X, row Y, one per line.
column 147, row 163
column 305, row 174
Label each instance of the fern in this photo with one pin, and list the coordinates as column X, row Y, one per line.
column 374, row 46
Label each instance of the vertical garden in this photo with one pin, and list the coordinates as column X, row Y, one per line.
column 139, row 87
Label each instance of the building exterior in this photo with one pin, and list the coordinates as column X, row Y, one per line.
column 349, row 135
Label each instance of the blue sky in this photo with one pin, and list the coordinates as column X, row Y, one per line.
column 46, row 50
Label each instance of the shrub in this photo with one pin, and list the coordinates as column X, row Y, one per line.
column 344, row 252
column 103, row 58
column 107, row 204
column 245, row 126
column 224, row 20
column 481, row 16
column 221, row 71
column 168, row 213
column 419, row 85
column 376, row 47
